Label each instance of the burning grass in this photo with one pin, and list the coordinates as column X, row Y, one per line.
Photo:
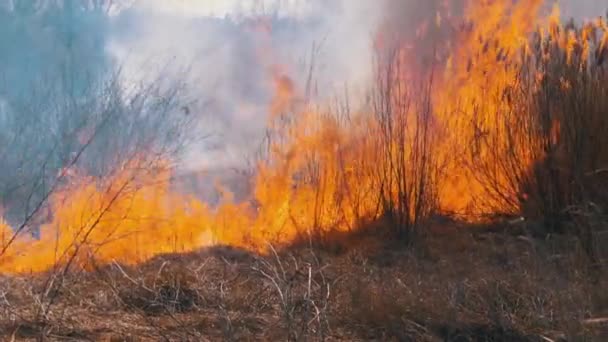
column 510, row 122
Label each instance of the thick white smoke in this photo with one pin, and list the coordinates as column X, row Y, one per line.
column 226, row 52
column 226, row 59
column 218, row 49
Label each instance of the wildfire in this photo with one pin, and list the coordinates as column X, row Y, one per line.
column 324, row 171
column 479, row 72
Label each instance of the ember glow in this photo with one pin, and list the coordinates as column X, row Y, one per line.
column 437, row 112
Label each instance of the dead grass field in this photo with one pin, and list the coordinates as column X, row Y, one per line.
column 473, row 284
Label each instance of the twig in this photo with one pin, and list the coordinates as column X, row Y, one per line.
column 598, row 320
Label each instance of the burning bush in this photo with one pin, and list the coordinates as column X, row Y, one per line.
column 553, row 113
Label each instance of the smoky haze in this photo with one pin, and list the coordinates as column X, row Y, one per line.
column 228, row 57
column 229, row 61
column 63, row 59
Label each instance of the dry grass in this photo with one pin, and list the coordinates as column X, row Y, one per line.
column 472, row 284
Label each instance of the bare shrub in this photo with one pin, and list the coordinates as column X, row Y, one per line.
column 406, row 170
column 303, row 295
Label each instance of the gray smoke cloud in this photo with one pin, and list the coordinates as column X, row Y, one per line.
column 583, row 9
column 225, row 60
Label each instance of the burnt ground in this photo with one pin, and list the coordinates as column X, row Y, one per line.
column 457, row 284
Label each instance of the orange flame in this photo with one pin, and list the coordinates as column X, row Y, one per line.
column 323, row 171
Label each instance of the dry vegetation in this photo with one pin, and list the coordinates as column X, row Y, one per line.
column 475, row 284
